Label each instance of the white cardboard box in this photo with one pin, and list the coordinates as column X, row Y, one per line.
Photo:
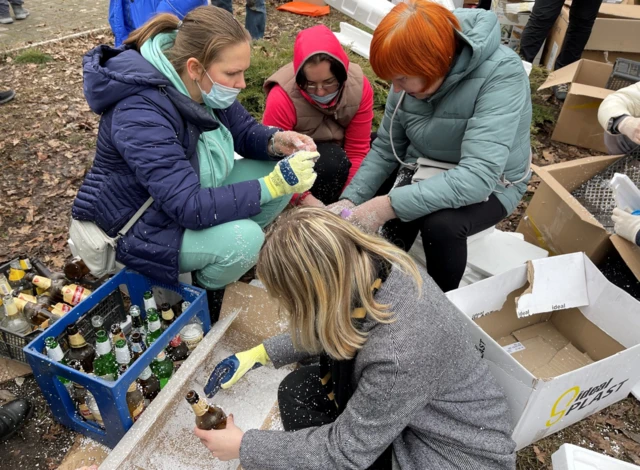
column 569, row 295
column 570, row 457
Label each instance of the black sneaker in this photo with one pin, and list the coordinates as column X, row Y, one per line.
column 560, row 91
column 6, row 96
column 13, row 415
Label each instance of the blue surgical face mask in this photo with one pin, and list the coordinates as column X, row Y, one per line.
column 326, row 99
column 220, row 96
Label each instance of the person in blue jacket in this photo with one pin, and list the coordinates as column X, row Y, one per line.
column 127, row 15
column 169, row 126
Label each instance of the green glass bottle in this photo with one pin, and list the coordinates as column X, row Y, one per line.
column 123, row 354
column 54, row 352
column 155, row 328
column 149, row 301
column 105, row 365
column 162, row 367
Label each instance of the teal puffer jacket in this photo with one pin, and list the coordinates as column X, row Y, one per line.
column 479, row 119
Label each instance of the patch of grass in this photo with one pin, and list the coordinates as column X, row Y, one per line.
column 33, row 56
column 542, row 111
column 267, row 58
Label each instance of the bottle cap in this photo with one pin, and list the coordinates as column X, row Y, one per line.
column 146, row 373
column 97, row 321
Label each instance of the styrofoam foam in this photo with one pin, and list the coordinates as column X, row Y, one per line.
column 357, row 40
column 570, row 457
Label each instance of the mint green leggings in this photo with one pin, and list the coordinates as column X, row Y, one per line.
column 220, row 255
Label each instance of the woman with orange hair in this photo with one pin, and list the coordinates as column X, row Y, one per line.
column 461, row 100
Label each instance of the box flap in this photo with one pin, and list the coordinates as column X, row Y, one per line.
column 566, row 360
column 554, row 284
column 629, row 252
column 579, row 89
column 563, row 75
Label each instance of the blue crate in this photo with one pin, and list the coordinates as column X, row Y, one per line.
column 110, row 396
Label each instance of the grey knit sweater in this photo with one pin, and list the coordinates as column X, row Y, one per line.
column 419, row 385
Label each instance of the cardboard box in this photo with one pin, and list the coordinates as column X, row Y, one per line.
column 557, row 222
column 578, row 121
column 579, row 332
column 615, row 34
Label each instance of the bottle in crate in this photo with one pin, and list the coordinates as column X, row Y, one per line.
column 105, row 365
column 42, row 270
column 14, row 320
column 72, row 294
column 93, row 408
column 207, row 416
column 17, row 279
column 79, row 393
column 135, row 398
column 60, row 309
column 192, row 333
column 36, row 314
column 5, row 287
column 97, row 322
column 54, row 352
column 167, row 315
column 155, row 327
column 177, row 351
column 117, row 334
column 75, row 269
column 137, row 345
column 137, row 324
column 123, row 354
column 149, row 301
column 80, row 349
column 25, row 264
column 163, row 368
column 150, row 385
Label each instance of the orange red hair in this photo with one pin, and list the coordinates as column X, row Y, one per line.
column 416, row 39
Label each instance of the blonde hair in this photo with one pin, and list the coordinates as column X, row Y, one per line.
column 203, row 34
column 319, row 266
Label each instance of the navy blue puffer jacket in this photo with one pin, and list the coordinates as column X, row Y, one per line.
column 147, row 146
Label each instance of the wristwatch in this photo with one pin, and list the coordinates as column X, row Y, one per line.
column 614, row 122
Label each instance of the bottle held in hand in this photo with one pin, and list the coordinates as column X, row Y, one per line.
column 207, row 416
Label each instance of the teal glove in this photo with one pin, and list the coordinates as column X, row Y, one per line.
column 293, row 174
column 230, row 370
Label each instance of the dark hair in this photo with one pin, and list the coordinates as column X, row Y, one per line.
column 337, row 69
column 203, row 34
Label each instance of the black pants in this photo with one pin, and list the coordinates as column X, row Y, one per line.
column 582, row 15
column 444, row 233
column 333, row 170
column 304, row 403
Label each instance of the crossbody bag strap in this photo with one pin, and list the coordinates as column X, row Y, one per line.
column 135, row 217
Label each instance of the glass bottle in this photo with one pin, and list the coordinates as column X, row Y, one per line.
column 54, row 352
column 149, row 301
column 135, row 398
column 192, row 333
column 105, row 365
column 97, row 322
column 207, row 416
column 75, row 269
column 117, row 334
column 71, row 293
column 177, row 351
column 80, row 349
column 163, row 368
column 42, row 270
column 90, row 400
column 33, row 313
column 14, row 320
column 155, row 328
column 79, row 393
column 150, row 385
column 123, row 355
column 167, row 315
column 137, row 345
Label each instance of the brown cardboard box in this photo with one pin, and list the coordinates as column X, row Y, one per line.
column 578, row 121
column 556, row 221
column 615, row 34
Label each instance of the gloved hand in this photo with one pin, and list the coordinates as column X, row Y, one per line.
column 626, row 225
column 630, row 127
column 338, row 207
column 373, row 214
column 293, row 174
column 230, row 370
column 288, row 142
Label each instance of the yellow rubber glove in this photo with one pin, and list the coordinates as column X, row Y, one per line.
column 230, row 370
column 294, row 174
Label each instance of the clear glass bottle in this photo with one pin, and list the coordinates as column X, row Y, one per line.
column 14, row 320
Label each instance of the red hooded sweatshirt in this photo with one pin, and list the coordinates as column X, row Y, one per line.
column 280, row 111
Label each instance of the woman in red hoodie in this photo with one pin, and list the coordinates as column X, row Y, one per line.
column 322, row 95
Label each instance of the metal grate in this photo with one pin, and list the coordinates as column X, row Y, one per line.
column 597, row 197
column 625, row 73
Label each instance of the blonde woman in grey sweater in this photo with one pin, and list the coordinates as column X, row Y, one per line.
column 398, row 383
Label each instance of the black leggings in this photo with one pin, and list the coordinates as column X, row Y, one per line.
column 303, row 404
column 333, row 170
column 444, row 233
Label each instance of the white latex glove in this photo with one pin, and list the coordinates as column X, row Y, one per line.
column 630, row 127
column 626, row 225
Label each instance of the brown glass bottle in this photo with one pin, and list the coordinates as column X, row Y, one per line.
column 71, row 293
column 167, row 315
column 79, row 393
column 207, row 416
column 135, row 398
column 42, row 270
column 137, row 345
column 80, row 349
column 75, row 269
column 150, row 385
column 36, row 314
column 177, row 351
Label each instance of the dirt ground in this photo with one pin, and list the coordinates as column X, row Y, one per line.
column 46, row 146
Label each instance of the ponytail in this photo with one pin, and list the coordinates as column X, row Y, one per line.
column 163, row 23
column 204, row 32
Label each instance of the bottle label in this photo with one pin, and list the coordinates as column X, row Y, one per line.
column 64, row 308
column 5, row 288
column 55, row 354
column 85, row 412
column 137, row 347
column 146, row 373
column 175, row 341
column 200, row 407
column 27, row 298
column 168, row 315
column 74, row 294
column 13, row 306
column 77, row 341
column 103, row 347
column 42, row 282
column 123, row 356
column 150, row 303
column 161, row 357
column 15, row 274
column 191, row 335
column 154, row 326
column 135, row 414
column 26, row 264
